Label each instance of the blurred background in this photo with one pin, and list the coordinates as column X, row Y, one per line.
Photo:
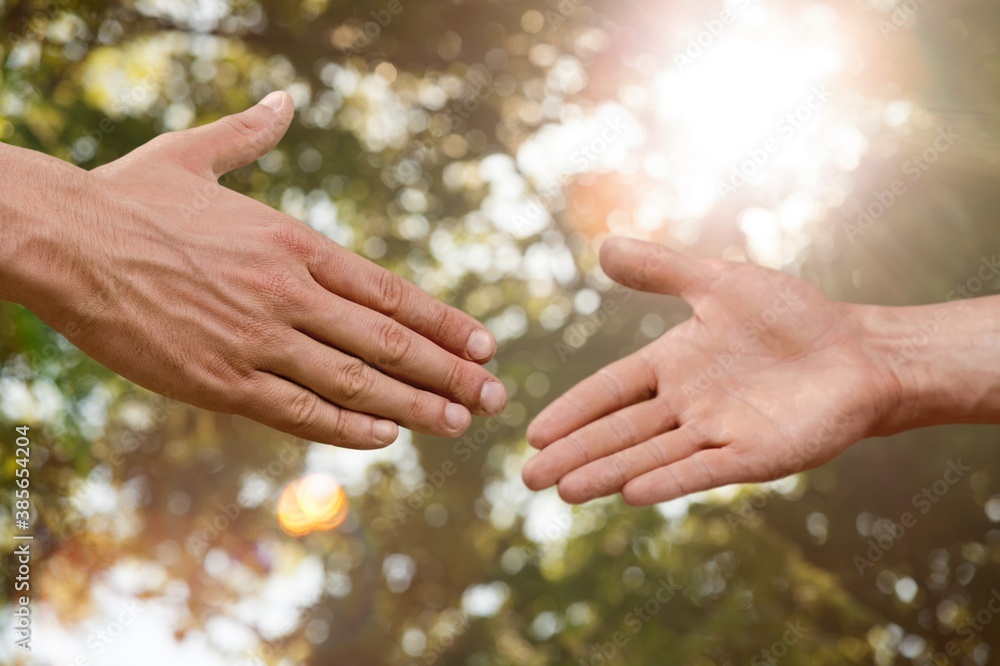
column 485, row 150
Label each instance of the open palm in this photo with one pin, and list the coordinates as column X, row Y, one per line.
column 767, row 378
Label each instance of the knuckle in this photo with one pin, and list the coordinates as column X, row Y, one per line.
column 303, row 410
column 281, row 286
column 458, row 382
column 341, row 426
column 617, row 472
column 705, row 471
column 622, row 428
column 658, row 452
column 394, row 344
column 417, row 407
column 611, row 384
column 389, row 290
column 573, row 440
column 161, row 143
column 355, row 379
column 226, row 369
column 444, row 321
column 680, row 485
column 244, row 132
column 292, row 237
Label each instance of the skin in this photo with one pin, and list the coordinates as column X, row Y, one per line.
column 766, row 379
column 201, row 294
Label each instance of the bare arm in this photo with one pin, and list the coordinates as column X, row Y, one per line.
column 207, row 296
column 946, row 358
column 768, row 378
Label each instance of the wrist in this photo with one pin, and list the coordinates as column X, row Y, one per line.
column 38, row 192
column 938, row 360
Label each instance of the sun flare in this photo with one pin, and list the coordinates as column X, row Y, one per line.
column 751, row 106
column 744, row 101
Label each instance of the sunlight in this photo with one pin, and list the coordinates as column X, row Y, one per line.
column 750, row 111
column 743, row 91
column 756, row 100
column 753, row 108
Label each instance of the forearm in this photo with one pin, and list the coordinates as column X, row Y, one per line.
column 946, row 358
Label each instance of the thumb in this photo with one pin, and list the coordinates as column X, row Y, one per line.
column 237, row 140
column 656, row 268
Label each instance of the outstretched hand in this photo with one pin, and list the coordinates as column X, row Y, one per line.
column 767, row 378
column 210, row 297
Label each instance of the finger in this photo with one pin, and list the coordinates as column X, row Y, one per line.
column 655, row 268
column 614, row 387
column 284, row 406
column 350, row 382
column 357, row 279
column 237, row 140
column 613, row 433
column 400, row 352
column 705, row 470
column 611, row 474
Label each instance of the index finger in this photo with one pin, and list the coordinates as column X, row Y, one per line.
column 346, row 274
column 619, row 385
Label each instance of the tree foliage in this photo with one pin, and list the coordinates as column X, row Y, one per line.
column 402, row 116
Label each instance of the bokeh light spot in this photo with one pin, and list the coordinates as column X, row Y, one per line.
column 314, row 503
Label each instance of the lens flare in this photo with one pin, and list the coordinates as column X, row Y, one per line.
column 314, row 503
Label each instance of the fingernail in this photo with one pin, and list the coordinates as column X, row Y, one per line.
column 457, row 417
column 386, row 431
column 493, row 397
column 274, row 100
column 481, row 345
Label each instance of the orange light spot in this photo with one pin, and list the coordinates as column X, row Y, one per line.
column 313, row 503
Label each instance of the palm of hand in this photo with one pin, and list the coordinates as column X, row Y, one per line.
column 768, row 378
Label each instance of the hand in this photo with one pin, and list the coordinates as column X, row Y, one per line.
column 768, row 378
column 207, row 296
